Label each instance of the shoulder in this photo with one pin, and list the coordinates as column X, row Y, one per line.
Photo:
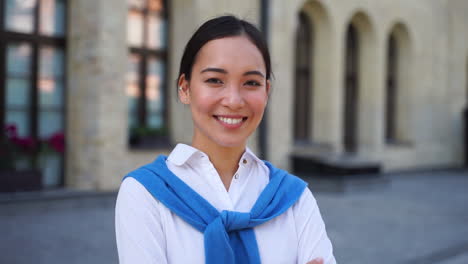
column 286, row 181
column 134, row 197
column 130, row 186
column 307, row 200
column 139, row 224
column 306, row 203
column 306, row 211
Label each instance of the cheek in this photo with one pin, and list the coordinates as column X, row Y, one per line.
column 202, row 103
column 258, row 101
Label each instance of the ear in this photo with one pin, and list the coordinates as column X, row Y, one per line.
column 268, row 89
column 183, row 90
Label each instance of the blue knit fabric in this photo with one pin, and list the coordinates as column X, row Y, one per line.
column 228, row 236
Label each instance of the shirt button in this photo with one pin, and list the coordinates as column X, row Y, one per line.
column 236, row 176
column 244, row 161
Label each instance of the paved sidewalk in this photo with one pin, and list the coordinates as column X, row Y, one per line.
column 417, row 218
column 74, row 230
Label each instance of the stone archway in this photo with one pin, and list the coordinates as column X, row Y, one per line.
column 358, row 123
column 316, row 65
column 282, row 45
column 398, row 96
column 303, row 80
column 351, row 86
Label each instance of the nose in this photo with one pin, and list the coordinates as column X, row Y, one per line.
column 233, row 97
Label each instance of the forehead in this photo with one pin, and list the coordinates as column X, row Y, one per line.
column 231, row 53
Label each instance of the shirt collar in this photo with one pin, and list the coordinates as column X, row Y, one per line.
column 248, row 158
column 183, row 152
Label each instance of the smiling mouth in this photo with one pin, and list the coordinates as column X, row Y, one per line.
column 231, row 120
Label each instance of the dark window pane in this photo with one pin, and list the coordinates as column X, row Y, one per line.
column 17, row 92
column 50, row 122
column 154, row 93
column 51, row 167
column 19, row 15
column 52, row 17
column 303, row 87
column 20, row 119
column 51, row 79
column 135, row 28
column 133, row 90
column 155, row 120
column 18, row 85
column 156, row 31
column 19, row 59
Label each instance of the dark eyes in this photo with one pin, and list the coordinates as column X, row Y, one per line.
column 214, row 81
column 252, row 83
column 218, row 81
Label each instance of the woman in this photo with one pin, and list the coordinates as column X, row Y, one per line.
column 214, row 201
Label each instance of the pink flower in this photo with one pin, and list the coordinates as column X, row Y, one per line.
column 26, row 144
column 57, row 142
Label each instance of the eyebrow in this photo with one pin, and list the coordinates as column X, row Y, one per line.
column 223, row 71
column 214, row 70
column 254, row 73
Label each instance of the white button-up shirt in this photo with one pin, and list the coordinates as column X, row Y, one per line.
column 148, row 232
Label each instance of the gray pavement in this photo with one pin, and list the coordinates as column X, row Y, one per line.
column 413, row 218
column 407, row 219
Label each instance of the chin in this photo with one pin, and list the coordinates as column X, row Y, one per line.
column 231, row 143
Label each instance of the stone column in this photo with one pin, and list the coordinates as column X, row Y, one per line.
column 282, row 27
column 96, row 101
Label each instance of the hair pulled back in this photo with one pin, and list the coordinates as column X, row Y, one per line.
column 221, row 27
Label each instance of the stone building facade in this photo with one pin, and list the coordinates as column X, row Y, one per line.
column 382, row 81
column 430, row 79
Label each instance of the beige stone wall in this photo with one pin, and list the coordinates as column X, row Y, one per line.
column 96, row 103
column 429, row 106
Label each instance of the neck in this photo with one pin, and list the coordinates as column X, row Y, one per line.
column 224, row 159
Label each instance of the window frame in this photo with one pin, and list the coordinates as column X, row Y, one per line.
column 36, row 40
column 146, row 54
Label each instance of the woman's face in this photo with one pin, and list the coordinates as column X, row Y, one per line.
column 227, row 92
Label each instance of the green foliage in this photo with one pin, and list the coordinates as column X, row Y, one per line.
column 140, row 132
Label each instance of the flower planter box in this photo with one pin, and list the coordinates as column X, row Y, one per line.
column 23, row 180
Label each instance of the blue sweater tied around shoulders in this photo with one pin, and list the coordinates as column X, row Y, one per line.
column 228, row 236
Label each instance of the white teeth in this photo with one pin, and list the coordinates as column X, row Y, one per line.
column 230, row 121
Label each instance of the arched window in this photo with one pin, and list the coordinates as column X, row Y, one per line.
column 351, row 90
column 391, row 91
column 146, row 75
column 303, row 80
column 398, row 95
column 32, row 85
